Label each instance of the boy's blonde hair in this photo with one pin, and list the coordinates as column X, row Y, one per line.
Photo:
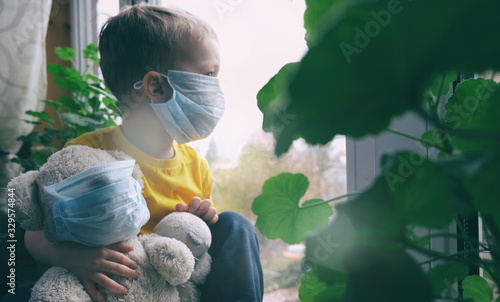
column 142, row 38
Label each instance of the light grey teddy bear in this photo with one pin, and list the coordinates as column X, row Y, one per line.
column 172, row 261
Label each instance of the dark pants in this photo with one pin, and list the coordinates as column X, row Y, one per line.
column 236, row 273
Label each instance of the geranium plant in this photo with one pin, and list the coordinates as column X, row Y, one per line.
column 369, row 62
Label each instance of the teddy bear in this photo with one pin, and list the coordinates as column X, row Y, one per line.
column 94, row 197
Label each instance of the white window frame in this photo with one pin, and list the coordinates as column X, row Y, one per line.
column 82, row 14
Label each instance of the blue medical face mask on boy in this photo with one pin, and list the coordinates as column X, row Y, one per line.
column 197, row 104
column 99, row 206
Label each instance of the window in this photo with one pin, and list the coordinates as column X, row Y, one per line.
column 257, row 38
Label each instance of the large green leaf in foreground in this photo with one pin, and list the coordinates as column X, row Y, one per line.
column 312, row 289
column 375, row 60
column 472, row 114
column 279, row 213
column 424, row 194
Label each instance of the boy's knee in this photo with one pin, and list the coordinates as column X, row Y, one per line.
column 230, row 220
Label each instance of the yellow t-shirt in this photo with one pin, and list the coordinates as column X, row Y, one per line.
column 166, row 182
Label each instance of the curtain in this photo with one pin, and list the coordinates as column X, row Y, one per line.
column 23, row 77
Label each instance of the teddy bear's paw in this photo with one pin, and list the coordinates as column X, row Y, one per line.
column 171, row 258
column 188, row 292
column 201, row 269
column 168, row 293
column 140, row 289
column 58, row 284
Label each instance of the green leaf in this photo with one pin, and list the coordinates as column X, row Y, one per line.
column 46, row 139
column 61, row 71
column 423, row 193
column 442, row 83
column 65, row 53
column 66, row 133
column 93, row 78
column 355, row 79
column 272, row 100
column 90, row 52
column 32, row 122
column 36, row 137
column 55, row 105
column 477, row 289
column 483, row 186
column 444, row 276
column 98, row 90
column 279, row 213
column 377, row 220
column 370, row 219
column 44, row 116
column 70, row 104
column 67, row 79
column 317, row 13
column 111, row 104
column 312, row 289
column 40, row 157
column 434, row 138
column 473, row 113
column 79, row 120
column 94, row 103
column 391, row 276
column 28, row 164
column 107, row 101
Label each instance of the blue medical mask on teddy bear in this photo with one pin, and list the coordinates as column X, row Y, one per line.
column 196, row 106
column 99, row 206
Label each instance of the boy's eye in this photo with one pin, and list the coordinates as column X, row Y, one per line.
column 209, row 74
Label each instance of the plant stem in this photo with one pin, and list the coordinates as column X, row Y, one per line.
column 447, row 256
column 452, row 235
column 439, row 255
column 328, row 201
column 416, row 139
column 470, row 243
column 440, row 88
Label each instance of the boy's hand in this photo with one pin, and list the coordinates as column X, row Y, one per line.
column 200, row 208
column 93, row 265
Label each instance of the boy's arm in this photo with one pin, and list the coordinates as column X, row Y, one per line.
column 90, row 265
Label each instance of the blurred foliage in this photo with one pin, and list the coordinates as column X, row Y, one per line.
column 88, row 106
column 236, row 186
column 369, row 62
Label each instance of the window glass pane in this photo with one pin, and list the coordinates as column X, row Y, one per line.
column 106, row 9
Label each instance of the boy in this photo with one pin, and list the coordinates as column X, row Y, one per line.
column 162, row 64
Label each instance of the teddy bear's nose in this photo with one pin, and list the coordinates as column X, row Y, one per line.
column 195, row 239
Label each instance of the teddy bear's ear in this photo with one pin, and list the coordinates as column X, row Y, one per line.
column 24, row 189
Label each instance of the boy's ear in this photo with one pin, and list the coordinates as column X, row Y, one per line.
column 156, row 87
column 23, row 189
